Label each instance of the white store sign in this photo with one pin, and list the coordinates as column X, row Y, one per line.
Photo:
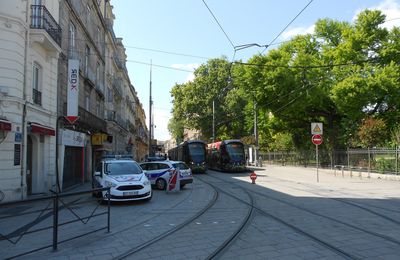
column 73, row 88
column 73, row 138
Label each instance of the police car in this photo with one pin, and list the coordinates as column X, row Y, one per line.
column 125, row 178
column 159, row 172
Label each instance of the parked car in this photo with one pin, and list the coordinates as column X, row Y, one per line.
column 125, row 177
column 155, row 158
column 159, row 172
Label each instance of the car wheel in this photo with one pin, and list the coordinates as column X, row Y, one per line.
column 182, row 186
column 161, row 184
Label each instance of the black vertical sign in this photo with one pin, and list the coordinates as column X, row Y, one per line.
column 17, row 154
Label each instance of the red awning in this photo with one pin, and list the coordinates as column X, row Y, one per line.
column 41, row 129
column 5, row 125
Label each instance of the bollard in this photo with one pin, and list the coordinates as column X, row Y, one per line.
column 342, row 171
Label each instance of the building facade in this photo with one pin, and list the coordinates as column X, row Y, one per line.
column 30, row 37
column 50, row 138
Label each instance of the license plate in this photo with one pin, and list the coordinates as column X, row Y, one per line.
column 130, row 193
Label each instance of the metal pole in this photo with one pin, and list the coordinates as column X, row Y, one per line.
column 108, row 210
column 256, row 133
column 316, row 155
column 55, row 221
column 369, row 163
column 213, row 121
column 150, row 121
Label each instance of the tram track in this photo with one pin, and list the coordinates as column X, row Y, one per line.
column 295, row 228
column 219, row 250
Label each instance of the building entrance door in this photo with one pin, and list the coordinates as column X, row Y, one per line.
column 29, row 165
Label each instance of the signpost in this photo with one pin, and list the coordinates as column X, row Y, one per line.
column 316, row 131
column 317, row 140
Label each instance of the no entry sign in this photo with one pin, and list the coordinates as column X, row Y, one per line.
column 316, row 139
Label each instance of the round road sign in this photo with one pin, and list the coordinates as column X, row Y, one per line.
column 316, row 139
column 253, row 176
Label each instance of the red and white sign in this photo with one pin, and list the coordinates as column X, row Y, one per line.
column 173, row 182
column 316, row 139
column 73, row 91
column 253, row 177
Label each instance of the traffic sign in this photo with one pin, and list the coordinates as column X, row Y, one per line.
column 253, row 177
column 316, row 139
column 316, row 128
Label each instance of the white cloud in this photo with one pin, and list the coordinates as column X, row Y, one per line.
column 296, row 31
column 391, row 8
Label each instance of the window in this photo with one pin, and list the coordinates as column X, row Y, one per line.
column 87, row 102
column 87, row 56
column 97, row 73
column 98, row 109
column 71, row 40
column 109, row 95
column 36, row 84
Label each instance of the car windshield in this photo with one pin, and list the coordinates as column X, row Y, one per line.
column 180, row 166
column 122, row 168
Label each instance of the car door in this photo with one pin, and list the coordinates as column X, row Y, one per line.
column 151, row 171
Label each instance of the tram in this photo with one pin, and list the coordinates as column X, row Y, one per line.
column 193, row 153
column 227, row 155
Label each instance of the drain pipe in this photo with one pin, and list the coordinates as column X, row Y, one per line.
column 23, row 130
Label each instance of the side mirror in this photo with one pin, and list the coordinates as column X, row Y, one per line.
column 97, row 174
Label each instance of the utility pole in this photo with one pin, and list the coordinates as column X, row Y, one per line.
column 256, row 133
column 150, row 115
column 213, row 125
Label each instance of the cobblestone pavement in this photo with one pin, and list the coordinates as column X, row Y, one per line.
column 294, row 217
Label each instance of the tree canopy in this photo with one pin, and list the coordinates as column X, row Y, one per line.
column 341, row 75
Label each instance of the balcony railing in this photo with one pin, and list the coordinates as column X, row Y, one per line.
column 37, row 97
column 42, row 19
column 91, row 121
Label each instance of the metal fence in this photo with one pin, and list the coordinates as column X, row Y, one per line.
column 384, row 161
column 29, row 226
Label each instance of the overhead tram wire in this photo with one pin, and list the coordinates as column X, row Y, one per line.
column 284, row 29
column 222, row 29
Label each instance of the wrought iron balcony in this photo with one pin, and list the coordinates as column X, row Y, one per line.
column 91, row 121
column 42, row 19
column 37, row 97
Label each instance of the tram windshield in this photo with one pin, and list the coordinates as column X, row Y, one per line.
column 235, row 151
column 197, row 152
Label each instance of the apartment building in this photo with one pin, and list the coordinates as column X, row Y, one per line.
column 30, row 38
column 65, row 95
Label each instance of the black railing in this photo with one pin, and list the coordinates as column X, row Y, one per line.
column 26, row 220
column 91, row 121
column 37, row 97
column 42, row 19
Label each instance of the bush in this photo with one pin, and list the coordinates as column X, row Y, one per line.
column 383, row 165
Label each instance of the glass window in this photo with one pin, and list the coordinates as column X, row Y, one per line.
column 180, row 166
column 87, row 102
column 71, row 40
column 122, row 168
column 36, row 77
column 87, row 57
column 162, row 166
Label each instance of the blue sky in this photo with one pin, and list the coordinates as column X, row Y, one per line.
column 153, row 29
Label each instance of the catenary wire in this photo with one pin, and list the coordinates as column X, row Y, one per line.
column 279, row 34
column 222, row 29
